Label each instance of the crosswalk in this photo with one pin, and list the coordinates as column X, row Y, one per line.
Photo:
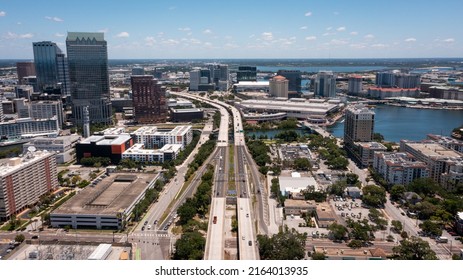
column 149, row 235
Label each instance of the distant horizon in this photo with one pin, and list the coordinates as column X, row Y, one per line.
column 278, row 58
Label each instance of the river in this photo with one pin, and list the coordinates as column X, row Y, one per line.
column 396, row 123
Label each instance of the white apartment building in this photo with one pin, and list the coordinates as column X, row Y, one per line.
column 23, row 180
column 153, row 138
column 62, row 146
column 399, row 168
column 138, row 153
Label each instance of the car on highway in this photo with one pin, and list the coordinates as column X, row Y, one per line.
column 247, row 215
column 250, row 243
column 146, row 222
column 166, row 227
column 155, row 222
column 242, row 237
column 148, row 227
column 142, row 228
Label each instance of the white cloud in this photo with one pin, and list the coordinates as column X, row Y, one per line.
column 123, row 35
column 59, row 35
column 338, row 42
column 378, row 46
column 329, row 28
column 55, row 19
column 342, row 28
column 369, row 36
column 354, row 33
column 11, row 35
column 2, row 13
column 311, row 38
column 303, row 27
column 308, row 14
column 449, row 40
column 267, row 36
column 26, row 36
column 409, row 40
column 150, row 41
column 184, row 29
column 207, row 31
column 170, row 42
column 357, row 46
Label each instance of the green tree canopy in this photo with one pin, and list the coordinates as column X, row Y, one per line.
column 374, row 196
column 414, row 248
column 190, row 246
column 287, row 245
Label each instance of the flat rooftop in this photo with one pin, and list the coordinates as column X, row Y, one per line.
column 107, row 139
column 113, row 194
column 434, row 150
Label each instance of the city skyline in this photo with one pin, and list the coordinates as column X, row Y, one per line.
column 184, row 29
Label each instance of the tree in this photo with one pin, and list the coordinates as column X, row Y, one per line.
column 351, row 178
column 374, row 196
column 397, row 192
column 431, row 228
column 423, row 186
column 190, row 246
column 414, row 248
column 286, row 245
column 302, row 164
column 19, row 238
column 397, row 226
column 318, row 256
column 339, row 232
column 378, row 137
column 186, row 211
column 377, row 217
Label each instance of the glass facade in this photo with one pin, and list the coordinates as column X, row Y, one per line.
column 88, row 71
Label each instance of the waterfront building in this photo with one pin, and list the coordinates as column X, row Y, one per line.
column 355, row 85
column 443, row 92
column 152, row 138
column 293, row 108
column 325, row 84
column 62, row 146
column 246, row 73
column 383, row 93
column 399, row 168
column 395, row 79
column 23, row 180
column 51, row 67
column 438, row 159
column 149, row 100
column 27, row 128
column 294, row 79
column 448, row 142
column 359, row 124
column 105, row 205
column 279, row 87
column 88, row 71
column 108, row 146
column 24, row 69
column 358, row 134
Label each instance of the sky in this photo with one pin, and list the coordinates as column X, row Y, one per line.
column 240, row 28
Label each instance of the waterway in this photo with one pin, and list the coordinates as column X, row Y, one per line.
column 396, row 123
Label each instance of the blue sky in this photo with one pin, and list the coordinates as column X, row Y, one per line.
column 240, row 28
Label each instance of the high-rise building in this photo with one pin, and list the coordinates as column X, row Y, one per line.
column 200, row 79
column 138, row 70
column 246, row 73
column 88, row 71
column 51, row 67
column 396, row 79
column 219, row 75
column 195, row 76
column 24, row 180
column 279, row 86
column 24, row 69
column 294, row 79
column 355, row 85
column 358, row 125
column 2, row 116
column 149, row 100
column 325, row 84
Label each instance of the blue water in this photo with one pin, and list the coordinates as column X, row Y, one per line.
column 396, row 123
column 315, row 69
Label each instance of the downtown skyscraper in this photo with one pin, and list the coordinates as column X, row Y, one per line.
column 149, row 101
column 88, row 70
column 51, row 68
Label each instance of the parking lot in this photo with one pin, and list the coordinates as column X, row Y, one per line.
column 349, row 208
